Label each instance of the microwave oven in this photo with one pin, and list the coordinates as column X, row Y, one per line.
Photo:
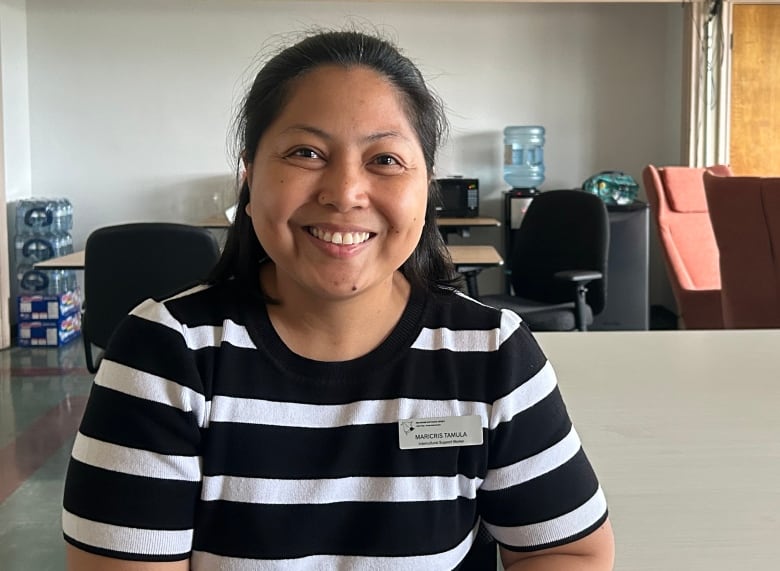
column 458, row 198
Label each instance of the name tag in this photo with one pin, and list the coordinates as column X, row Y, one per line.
column 440, row 432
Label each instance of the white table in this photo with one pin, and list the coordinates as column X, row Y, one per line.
column 683, row 428
column 74, row 261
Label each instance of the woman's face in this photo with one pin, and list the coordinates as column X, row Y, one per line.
column 338, row 185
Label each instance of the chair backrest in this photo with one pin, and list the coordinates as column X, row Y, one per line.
column 561, row 230
column 745, row 214
column 679, row 211
column 128, row 263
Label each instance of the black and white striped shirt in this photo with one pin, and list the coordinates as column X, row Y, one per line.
column 205, row 437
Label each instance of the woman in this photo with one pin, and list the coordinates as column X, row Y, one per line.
column 329, row 400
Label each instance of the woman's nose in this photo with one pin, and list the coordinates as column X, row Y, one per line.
column 344, row 186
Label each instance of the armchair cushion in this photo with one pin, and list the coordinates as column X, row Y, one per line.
column 679, row 209
column 688, row 195
column 741, row 209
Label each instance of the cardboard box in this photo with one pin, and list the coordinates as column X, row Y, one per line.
column 49, row 333
column 35, row 307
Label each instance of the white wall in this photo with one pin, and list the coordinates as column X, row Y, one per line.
column 15, row 99
column 130, row 102
column 15, row 165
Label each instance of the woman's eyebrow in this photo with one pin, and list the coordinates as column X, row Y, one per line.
column 385, row 135
column 308, row 129
column 370, row 138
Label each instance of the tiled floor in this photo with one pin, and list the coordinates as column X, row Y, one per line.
column 42, row 397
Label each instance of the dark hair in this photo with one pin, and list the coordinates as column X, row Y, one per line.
column 430, row 265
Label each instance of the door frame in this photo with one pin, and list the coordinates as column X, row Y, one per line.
column 5, row 266
column 707, row 45
column 707, row 82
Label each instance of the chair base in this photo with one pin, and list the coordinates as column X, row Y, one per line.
column 540, row 316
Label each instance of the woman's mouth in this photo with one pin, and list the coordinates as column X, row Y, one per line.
column 339, row 238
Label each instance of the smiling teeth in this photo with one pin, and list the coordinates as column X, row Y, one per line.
column 345, row 238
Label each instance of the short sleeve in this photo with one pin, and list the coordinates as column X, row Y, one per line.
column 134, row 476
column 540, row 489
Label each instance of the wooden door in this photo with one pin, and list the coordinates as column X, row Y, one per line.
column 754, row 147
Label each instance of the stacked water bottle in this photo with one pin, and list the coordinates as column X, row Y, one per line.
column 49, row 301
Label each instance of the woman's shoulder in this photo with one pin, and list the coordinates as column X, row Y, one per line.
column 456, row 310
column 205, row 304
column 498, row 330
column 481, row 338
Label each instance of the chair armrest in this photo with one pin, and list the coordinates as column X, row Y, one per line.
column 578, row 276
column 580, row 279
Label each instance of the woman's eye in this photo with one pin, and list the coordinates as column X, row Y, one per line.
column 306, row 153
column 386, row 160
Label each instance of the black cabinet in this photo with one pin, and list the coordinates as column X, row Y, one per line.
column 628, row 304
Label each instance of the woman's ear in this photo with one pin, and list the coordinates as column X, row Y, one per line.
column 247, row 169
column 248, row 174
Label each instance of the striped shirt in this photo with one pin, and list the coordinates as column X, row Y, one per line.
column 206, row 438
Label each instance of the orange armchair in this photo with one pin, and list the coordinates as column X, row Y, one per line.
column 745, row 214
column 679, row 210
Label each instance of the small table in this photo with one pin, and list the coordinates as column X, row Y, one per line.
column 463, row 226
column 216, row 221
column 468, row 260
column 74, row 261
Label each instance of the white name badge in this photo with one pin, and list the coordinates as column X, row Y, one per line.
column 439, row 432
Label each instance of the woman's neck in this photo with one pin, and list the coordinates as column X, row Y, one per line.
column 336, row 330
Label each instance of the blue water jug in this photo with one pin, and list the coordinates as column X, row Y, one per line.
column 524, row 156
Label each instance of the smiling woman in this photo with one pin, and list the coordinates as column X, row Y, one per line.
column 338, row 192
column 262, row 420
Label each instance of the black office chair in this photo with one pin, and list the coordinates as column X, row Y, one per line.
column 128, row 263
column 558, row 262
